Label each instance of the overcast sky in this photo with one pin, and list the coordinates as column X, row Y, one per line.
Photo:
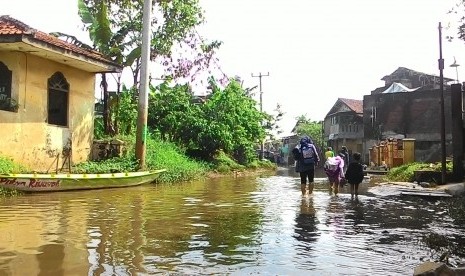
column 315, row 51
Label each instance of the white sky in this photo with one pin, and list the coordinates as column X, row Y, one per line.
column 314, row 50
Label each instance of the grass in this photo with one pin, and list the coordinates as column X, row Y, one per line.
column 159, row 155
column 406, row 171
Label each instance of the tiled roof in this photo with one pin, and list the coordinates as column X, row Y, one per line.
column 12, row 27
column 355, row 105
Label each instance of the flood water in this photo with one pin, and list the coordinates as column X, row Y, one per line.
column 256, row 225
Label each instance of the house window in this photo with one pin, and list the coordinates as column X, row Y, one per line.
column 6, row 102
column 58, row 95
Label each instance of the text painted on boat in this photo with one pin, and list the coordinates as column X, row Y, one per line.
column 29, row 183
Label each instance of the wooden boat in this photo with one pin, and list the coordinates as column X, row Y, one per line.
column 65, row 182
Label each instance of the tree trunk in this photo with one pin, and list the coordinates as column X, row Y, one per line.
column 106, row 109
column 118, row 91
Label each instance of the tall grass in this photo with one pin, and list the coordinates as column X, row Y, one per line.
column 159, row 155
column 406, row 172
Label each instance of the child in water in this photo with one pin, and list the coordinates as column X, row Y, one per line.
column 334, row 169
column 354, row 174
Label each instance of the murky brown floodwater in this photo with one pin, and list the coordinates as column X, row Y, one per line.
column 247, row 226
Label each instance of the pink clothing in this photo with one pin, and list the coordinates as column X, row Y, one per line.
column 335, row 175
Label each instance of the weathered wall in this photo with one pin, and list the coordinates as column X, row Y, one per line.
column 414, row 115
column 26, row 136
column 348, row 131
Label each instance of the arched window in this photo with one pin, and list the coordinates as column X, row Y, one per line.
column 6, row 103
column 58, row 95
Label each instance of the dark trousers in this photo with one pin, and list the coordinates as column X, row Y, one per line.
column 308, row 174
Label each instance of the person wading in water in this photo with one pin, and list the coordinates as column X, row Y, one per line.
column 307, row 158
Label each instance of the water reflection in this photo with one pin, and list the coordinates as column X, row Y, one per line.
column 243, row 225
column 306, row 225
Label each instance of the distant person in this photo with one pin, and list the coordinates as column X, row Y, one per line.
column 329, row 153
column 334, row 169
column 285, row 152
column 345, row 156
column 307, row 158
column 354, row 174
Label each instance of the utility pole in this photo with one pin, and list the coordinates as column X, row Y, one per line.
column 141, row 132
column 443, row 119
column 259, row 76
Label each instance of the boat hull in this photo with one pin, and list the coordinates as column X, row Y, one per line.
column 67, row 182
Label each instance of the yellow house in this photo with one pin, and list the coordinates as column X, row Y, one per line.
column 46, row 96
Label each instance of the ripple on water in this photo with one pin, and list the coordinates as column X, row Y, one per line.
column 239, row 226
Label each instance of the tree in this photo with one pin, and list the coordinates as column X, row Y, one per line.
column 314, row 129
column 115, row 28
column 272, row 122
column 174, row 24
column 228, row 120
column 100, row 33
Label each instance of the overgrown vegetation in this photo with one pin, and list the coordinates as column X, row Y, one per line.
column 226, row 120
column 159, row 154
column 406, row 172
column 115, row 28
column 167, row 155
column 8, row 166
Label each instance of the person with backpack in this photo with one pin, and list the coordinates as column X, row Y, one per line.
column 354, row 174
column 307, row 158
column 334, row 169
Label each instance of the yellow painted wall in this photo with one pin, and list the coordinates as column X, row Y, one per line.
column 25, row 135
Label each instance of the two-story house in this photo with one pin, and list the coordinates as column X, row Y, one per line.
column 408, row 106
column 343, row 125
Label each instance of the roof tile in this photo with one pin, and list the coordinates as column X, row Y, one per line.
column 355, row 105
column 11, row 26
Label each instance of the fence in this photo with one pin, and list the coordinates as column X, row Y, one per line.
column 392, row 153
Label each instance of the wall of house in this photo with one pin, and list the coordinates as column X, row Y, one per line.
column 414, row 115
column 26, row 136
column 345, row 130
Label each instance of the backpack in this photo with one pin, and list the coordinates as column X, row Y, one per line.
column 331, row 164
column 308, row 154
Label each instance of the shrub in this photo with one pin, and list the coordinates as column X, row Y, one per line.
column 159, row 155
column 8, row 166
column 406, row 172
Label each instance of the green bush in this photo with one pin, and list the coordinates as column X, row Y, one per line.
column 113, row 165
column 168, row 156
column 159, row 155
column 223, row 163
column 406, row 172
column 8, row 166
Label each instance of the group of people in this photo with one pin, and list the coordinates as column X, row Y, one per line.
column 339, row 168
